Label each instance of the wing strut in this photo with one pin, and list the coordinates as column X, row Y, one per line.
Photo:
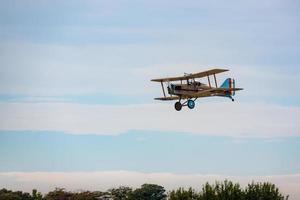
column 163, row 89
column 215, row 80
column 208, row 81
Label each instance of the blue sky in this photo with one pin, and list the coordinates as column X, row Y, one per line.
column 173, row 152
column 76, row 96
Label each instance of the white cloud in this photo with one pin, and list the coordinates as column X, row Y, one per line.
column 103, row 180
column 49, row 70
column 223, row 118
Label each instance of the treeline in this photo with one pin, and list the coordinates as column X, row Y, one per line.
column 226, row 190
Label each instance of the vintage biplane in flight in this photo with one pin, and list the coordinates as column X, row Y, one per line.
column 189, row 89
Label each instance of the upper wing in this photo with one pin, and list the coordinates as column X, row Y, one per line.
column 207, row 73
column 196, row 75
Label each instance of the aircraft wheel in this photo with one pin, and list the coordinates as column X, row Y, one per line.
column 191, row 104
column 178, row 106
column 232, row 99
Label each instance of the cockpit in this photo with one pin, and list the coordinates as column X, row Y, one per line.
column 173, row 87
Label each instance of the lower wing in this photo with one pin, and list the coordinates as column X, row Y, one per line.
column 203, row 93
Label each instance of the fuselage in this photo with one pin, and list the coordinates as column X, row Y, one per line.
column 193, row 89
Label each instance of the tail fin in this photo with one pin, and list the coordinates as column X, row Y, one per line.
column 229, row 83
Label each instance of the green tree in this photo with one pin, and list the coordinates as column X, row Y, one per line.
column 182, row 194
column 228, row 190
column 10, row 195
column 86, row 195
column 263, row 191
column 58, row 194
column 36, row 195
column 208, row 192
column 121, row 193
column 149, row 192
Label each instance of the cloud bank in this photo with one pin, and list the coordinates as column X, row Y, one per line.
column 224, row 118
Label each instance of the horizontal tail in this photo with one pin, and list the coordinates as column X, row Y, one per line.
column 230, row 84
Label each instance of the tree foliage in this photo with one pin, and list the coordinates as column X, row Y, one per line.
column 228, row 190
column 149, row 192
column 182, row 194
column 266, row 191
column 225, row 190
column 19, row 195
column 121, row 193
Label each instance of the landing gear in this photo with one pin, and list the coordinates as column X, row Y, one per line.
column 178, row 106
column 232, row 99
column 191, row 104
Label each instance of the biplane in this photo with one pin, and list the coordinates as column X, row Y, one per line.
column 189, row 89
